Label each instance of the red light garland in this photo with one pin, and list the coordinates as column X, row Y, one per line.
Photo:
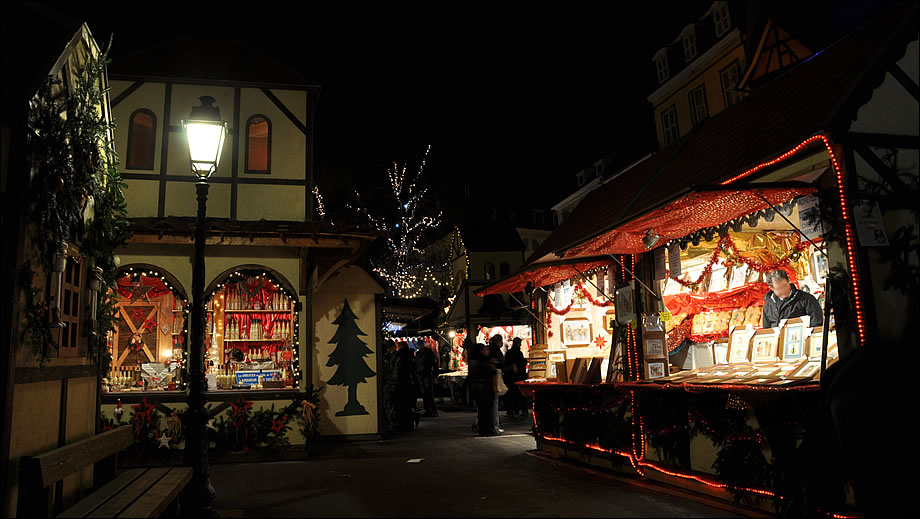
column 845, row 212
column 581, row 290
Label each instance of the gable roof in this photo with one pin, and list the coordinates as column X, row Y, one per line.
column 47, row 33
column 808, row 98
column 213, row 61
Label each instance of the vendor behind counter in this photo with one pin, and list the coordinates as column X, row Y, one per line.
column 784, row 301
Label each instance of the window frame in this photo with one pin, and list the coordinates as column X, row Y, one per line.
column 132, row 140
column 488, row 270
column 580, row 178
column 730, row 95
column 694, row 107
column 688, row 35
column 72, row 302
column 268, row 164
column 721, row 18
column 661, row 66
column 504, row 269
column 665, row 128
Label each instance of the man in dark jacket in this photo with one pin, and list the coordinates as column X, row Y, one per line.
column 426, row 366
column 482, row 370
column 515, row 371
column 785, row 301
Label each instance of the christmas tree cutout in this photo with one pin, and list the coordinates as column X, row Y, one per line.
column 349, row 355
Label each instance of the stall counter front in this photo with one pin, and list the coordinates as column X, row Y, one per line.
column 753, row 445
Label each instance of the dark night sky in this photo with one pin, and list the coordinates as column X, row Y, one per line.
column 508, row 98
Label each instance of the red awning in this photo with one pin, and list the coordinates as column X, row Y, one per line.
column 685, row 215
column 542, row 274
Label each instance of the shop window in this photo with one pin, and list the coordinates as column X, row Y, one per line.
column 68, row 340
column 730, row 76
column 688, row 38
column 489, row 271
column 253, row 332
column 258, row 144
column 142, row 127
column 661, row 65
column 148, row 343
column 504, row 269
column 698, row 107
column 721, row 18
column 669, row 128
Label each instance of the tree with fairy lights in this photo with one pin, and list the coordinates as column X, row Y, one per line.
column 403, row 221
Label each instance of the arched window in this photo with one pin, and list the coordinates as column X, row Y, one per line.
column 142, row 139
column 504, row 269
column 258, row 144
column 489, row 271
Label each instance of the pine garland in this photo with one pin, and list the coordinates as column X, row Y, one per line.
column 74, row 166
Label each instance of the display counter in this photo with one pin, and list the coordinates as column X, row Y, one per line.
column 740, row 443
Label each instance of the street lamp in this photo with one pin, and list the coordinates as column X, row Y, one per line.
column 205, row 132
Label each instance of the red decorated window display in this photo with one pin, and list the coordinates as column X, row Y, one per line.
column 253, row 338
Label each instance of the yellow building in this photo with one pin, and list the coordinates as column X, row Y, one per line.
column 279, row 285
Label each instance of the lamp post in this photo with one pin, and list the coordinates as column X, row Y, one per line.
column 205, row 132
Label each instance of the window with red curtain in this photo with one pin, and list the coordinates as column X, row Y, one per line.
column 142, row 139
column 258, row 144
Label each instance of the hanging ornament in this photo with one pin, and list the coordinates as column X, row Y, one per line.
column 139, row 290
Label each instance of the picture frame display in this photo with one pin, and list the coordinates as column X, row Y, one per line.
column 625, row 304
column 576, row 332
column 792, row 339
column 610, row 320
column 720, row 351
column 807, row 369
column 654, row 347
column 740, row 345
column 764, row 345
column 656, row 369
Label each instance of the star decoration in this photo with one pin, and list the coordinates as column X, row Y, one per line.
column 142, row 413
column 139, row 290
column 148, row 325
column 241, row 406
column 600, row 341
column 212, row 424
column 164, row 441
column 278, row 425
column 137, row 313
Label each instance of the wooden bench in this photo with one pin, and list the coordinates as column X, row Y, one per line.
column 138, row 492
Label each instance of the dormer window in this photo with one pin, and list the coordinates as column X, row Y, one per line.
column 688, row 37
column 580, row 177
column 599, row 168
column 661, row 65
column 720, row 18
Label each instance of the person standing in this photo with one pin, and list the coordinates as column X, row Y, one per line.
column 498, row 358
column 481, row 375
column 405, row 387
column 784, row 301
column 515, row 371
column 426, row 367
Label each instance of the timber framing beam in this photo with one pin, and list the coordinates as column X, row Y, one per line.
column 269, row 241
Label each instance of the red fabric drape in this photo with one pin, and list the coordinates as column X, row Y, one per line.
column 158, row 288
column 689, row 214
column 741, row 297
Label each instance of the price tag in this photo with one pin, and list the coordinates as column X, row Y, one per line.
column 665, row 316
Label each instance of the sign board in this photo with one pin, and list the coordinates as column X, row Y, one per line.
column 251, row 378
column 870, row 228
column 660, row 263
column 810, row 217
column 674, row 259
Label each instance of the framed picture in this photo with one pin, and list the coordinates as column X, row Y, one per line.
column 625, row 305
column 720, row 351
column 656, row 369
column 740, row 345
column 807, row 369
column 576, row 331
column 654, row 347
column 792, row 339
column 764, row 344
column 610, row 320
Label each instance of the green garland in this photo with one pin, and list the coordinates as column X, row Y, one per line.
column 74, row 162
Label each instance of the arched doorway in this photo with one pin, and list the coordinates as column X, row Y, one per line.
column 148, row 343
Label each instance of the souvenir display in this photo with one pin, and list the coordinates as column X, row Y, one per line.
column 792, row 338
